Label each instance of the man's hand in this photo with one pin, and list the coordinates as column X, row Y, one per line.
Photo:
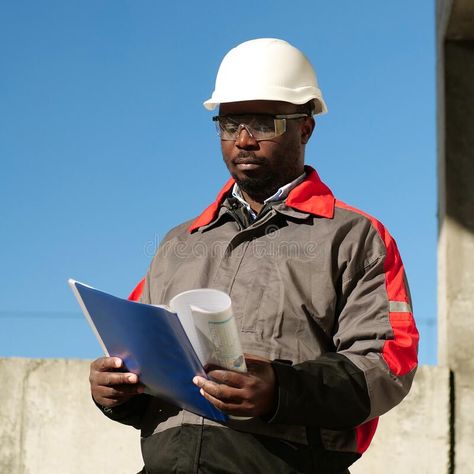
column 109, row 386
column 242, row 394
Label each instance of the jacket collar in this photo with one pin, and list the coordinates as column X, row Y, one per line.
column 311, row 196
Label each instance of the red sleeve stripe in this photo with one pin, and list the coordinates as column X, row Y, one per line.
column 400, row 353
column 364, row 434
column 137, row 291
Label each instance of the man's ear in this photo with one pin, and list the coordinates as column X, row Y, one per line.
column 307, row 129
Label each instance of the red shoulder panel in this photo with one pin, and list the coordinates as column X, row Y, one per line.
column 137, row 291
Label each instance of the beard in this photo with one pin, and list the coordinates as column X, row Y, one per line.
column 261, row 184
column 282, row 166
column 258, row 188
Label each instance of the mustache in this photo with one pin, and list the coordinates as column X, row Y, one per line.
column 248, row 157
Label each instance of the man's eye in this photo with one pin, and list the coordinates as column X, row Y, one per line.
column 229, row 126
column 264, row 126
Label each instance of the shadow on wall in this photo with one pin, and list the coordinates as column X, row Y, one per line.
column 459, row 90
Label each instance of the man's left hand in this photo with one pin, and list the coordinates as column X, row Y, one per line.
column 241, row 394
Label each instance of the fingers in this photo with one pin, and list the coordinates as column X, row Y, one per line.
column 104, row 364
column 227, row 407
column 228, row 377
column 109, row 379
column 218, row 390
column 225, row 398
column 243, row 394
column 112, row 396
column 109, row 387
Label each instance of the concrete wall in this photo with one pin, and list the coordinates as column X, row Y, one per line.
column 48, row 424
column 455, row 32
column 415, row 436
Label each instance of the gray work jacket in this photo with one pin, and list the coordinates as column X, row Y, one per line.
column 312, row 281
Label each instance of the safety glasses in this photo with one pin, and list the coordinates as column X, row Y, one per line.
column 258, row 126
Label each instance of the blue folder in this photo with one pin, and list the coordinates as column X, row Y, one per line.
column 152, row 343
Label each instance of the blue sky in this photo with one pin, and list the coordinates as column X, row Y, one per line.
column 105, row 145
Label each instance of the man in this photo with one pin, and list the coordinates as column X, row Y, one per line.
column 318, row 290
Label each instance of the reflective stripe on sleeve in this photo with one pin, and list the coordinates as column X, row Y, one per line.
column 399, row 307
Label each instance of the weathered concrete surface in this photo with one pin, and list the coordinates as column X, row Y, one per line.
column 461, row 24
column 415, row 436
column 48, row 423
column 455, row 20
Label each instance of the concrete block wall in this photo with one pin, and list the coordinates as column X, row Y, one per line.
column 455, row 117
column 414, row 437
column 48, row 424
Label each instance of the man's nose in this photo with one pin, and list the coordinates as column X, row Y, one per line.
column 245, row 138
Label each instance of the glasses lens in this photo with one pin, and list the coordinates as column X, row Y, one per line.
column 261, row 127
column 227, row 128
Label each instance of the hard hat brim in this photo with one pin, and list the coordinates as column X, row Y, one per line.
column 319, row 104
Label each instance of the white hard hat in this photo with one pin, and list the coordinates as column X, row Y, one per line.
column 266, row 69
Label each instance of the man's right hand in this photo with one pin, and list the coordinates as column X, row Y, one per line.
column 109, row 386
